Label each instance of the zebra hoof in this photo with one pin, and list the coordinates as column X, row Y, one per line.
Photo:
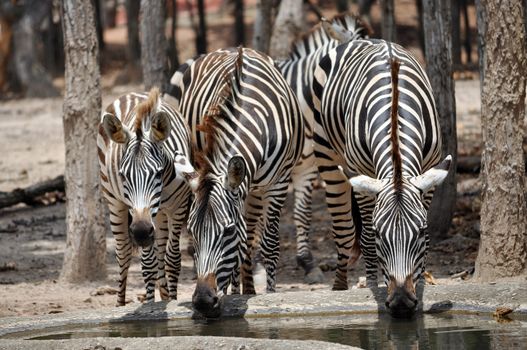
column 340, row 286
column 314, row 276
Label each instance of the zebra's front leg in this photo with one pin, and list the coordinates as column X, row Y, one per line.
column 149, row 270
column 253, row 223
column 173, row 256
column 123, row 245
column 161, row 223
column 338, row 198
column 303, row 176
column 269, row 242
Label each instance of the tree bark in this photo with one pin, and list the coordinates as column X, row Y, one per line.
column 262, row 25
column 132, row 27
column 153, row 44
column 287, row 26
column 456, row 33
column 388, row 29
column 503, row 245
column 85, row 255
column 239, row 25
column 438, row 52
column 173, row 56
column 34, row 78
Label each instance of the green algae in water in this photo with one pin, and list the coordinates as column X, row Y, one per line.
column 368, row 331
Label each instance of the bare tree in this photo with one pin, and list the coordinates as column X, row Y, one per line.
column 132, row 21
column 438, row 52
column 239, row 25
column 85, row 255
column 503, row 245
column 287, row 26
column 388, row 29
column 153, row 44
column 201, row 33
column 262, row 25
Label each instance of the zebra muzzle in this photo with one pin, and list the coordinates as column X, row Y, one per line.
column 402, row 300
column 205, row 299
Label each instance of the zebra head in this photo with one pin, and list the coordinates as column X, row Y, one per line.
column 399, row 223
column 215, row 223
column 142, row 168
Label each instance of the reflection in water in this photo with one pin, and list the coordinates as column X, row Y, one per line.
column 368, row 331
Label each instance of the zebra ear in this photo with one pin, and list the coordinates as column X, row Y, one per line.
column 341, row 34
column 115, row 130
column 432, row 177
column 366, row 185
column 160, row 128
column 236, row 171
column 186, row 171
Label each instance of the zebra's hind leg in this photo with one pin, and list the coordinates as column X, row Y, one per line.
column 123, row 245
column 149, row 269
column 161, row 223
column 270, row 245
column 303, row 176
column 173, row 256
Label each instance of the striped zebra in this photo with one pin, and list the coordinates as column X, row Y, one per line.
column 247, row 125
column 376, row 121
column 298, row 70
column 139, row 138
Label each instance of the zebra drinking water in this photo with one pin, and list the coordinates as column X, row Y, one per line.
column 247, row 125
column 376, row 121
column 298, row 70
column 139, row 137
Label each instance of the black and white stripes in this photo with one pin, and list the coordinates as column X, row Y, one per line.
column 139, row 138
column 377, row 123
column 247, row 125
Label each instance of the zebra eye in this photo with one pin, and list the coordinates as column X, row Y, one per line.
column 422, row 230
column 229, row 230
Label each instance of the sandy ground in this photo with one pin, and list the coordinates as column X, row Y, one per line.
column 32, row 239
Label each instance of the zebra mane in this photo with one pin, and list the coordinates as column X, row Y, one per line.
column 226, row 95
column 394, row 132
column 144, row 109
column 301, row 47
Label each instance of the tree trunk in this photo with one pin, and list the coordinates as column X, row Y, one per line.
column 262, row 25
column 35, row 80
column 438, row 52
column 388, row 30
column 201, row 35
column 153, row 44
column 239, row 26
column 342, row 5
column 456, row 33
column 132, row 26
column 288, row 24
column 85, row 255
column 503, row 245
column 173, row 57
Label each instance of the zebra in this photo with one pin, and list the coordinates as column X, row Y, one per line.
column 378, row 148
column 247, row 126
column 298, row 70
column 139, row 137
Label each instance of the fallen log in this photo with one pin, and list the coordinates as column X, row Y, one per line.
column 29, row 194
column 469, row 164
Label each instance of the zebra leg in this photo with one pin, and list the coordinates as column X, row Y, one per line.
column 149, row 269
column 123, row 245
column 270, row 243
column 253, row 222
column 173, row 256
column 367, row 239
column 338, row 198
column 161, row 223
column 303, row 176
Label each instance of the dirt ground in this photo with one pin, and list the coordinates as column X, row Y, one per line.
column 32, row 239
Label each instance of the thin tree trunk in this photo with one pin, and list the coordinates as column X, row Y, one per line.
column 288, row 24
column 262, row 25
column 239, row 25
column 481, row 17
column 468, row 36
column 85, row 255
column 132, row 27
column 456, row 33
column 153, row 44
column 201, row 36
column 173, row 56
column 503, row 245
column 438, row 52
column 388, row 30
